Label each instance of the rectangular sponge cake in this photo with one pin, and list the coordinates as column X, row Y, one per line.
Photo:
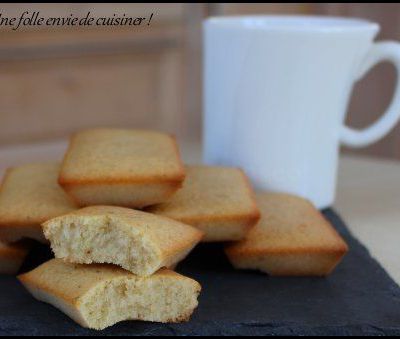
column 121, row 167
column 217, row 200
column 137, row 241
column 98, row 296
column 30, row 195
column 292, row 238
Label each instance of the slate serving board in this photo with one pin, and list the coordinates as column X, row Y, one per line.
column 359, row 298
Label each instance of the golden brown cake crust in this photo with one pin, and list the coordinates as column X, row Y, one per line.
column 30, row 195
column 217, row 200
column 291, row 238
column 106, row 155
column 121, row 167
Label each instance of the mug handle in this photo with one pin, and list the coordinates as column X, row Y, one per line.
column 381, row 51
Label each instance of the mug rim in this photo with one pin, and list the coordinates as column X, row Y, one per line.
column 308, row 23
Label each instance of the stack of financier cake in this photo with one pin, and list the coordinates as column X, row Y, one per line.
column 112, row 263
column 122, row 211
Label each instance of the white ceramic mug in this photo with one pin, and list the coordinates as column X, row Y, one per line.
column 276, row 94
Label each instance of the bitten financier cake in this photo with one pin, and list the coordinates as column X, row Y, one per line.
column 217, row 200
column 98, row 296
column 138, row 241
column 291, row 239
column 130, row 168
column 12, row 256
column 30, row 195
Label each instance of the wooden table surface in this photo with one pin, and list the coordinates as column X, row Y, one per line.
column 368, row 196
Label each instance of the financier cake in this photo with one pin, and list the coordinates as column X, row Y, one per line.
column 138, row 241
column 121, row 167
column 30, row 195
column 98, row 296
column 217, row 200
column 12, row 257
column 292, row 238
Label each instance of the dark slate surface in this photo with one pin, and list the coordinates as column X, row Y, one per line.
column 359, row 298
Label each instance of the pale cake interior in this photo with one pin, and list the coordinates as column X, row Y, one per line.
column 102, row 239
column 156, row 300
